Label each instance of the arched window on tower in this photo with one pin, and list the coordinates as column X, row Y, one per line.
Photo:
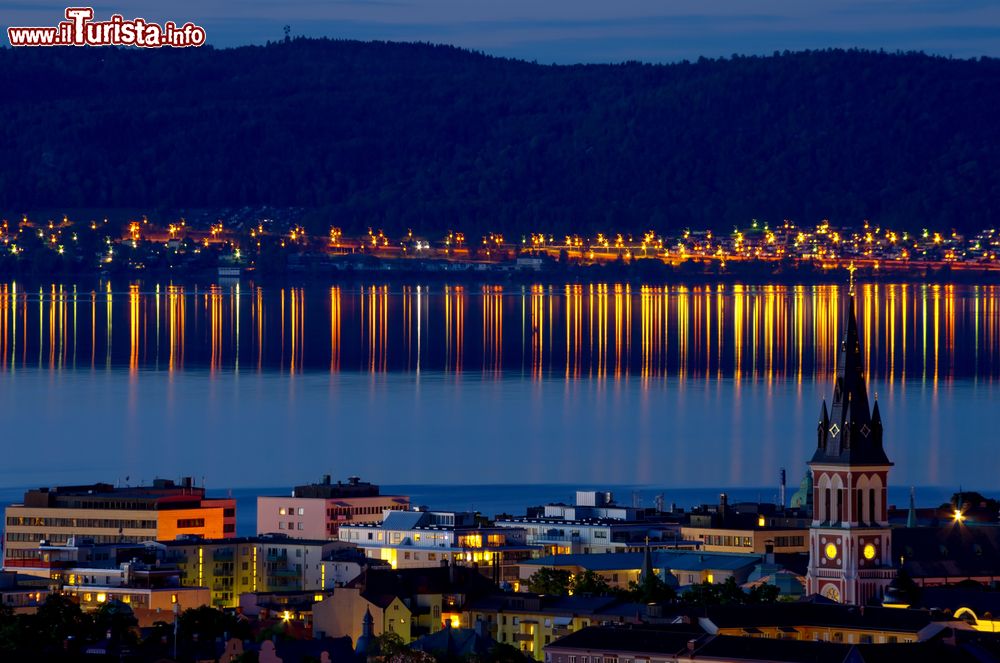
column 840, row 505
column 871, row 506
column 860, row 509
column 826, row 505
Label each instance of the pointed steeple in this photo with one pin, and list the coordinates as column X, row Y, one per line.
column 367, row 644
column 647, row 564
column 850, row 433
column 824, row 424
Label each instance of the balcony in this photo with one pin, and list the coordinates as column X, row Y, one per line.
column 224, row 555
column 285, row 573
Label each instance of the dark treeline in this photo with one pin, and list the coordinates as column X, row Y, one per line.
column 427, row 137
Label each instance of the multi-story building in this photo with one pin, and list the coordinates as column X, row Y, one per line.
column 230, row 567
column 97, row 573
column 105, row 514
column 150, row 591
column 529, row 622
column 21, row 594
column 594, row 524
column 317, row 510
column 409, row 539
column 409, row 602
column 747, row 528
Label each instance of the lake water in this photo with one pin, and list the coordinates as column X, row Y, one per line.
column 668, row 388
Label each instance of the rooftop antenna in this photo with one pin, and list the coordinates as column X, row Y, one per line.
column 781, row 484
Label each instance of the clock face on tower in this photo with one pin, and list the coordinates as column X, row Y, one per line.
column 869, row 551
column 831, row 551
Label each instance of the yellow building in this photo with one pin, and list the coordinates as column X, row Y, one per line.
column 531, row 622
column 748, row 540
column 230, row 567
column 342, row 614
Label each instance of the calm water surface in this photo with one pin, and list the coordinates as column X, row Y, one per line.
column 667, row 387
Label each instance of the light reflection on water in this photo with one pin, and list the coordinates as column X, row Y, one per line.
column 672, row 386
column 573, row 331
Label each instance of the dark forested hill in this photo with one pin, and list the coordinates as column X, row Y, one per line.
column 431, row 137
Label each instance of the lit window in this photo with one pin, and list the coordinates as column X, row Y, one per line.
column 281, row 511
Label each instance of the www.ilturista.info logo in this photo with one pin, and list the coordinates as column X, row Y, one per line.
column 80, row 29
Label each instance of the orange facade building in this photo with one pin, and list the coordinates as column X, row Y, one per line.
column 108, row 514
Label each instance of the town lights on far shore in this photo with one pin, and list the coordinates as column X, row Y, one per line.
column 958, row 516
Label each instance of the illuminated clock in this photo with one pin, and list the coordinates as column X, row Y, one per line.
column 869, row 551
column 831, row 551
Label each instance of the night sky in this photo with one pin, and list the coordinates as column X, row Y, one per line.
column 568, row 31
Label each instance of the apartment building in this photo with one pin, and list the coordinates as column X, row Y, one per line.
column 594, row 523
column 268, row 563
column 412, row 539
column 317, row 510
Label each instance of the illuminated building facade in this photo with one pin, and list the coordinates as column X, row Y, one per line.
column 594, row 523
column 98, row 573
column 408, row 539
column 149, row 591
column 409, row 602
column 104, row 513
column 850, row 540
column 529, row 622
column 230, row 567
column 316, row 511
column 747, row 528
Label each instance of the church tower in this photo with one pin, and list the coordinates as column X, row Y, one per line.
column 850, row 557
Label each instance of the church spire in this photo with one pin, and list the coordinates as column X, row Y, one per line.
column 851, row 434
column 646, row 573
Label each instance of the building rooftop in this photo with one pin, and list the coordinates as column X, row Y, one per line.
column 162, row 493
column 674, row 559
column 671, row 640
column 326, row 489
column 277, row 539
column 539, row 603
column 735, row 649
column 729, row 648
column 380, row 585
column 952, row 550
column 832, row 615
